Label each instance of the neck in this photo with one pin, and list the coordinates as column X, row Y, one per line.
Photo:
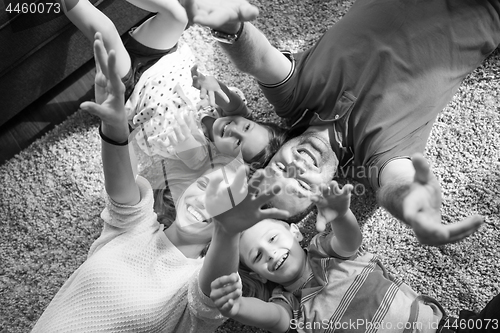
column 300, row 279
column 208, row 122
column 189, row 246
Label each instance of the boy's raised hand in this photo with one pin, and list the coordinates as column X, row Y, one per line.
column 208, row 86
column 332, row 202
column 226, row 294
column 238, row 206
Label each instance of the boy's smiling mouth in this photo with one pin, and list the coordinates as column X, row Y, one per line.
column 280, row 261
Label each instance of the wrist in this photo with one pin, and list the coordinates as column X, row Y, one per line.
column 114, row 134
column 229, row 33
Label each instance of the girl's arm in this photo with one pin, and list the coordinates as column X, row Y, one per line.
column 226, row 294
column 219, row 94
column 333, row 207
column 119, row 176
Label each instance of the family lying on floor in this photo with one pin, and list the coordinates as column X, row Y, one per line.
column 361, row 102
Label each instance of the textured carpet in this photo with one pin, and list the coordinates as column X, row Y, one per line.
column 51, row 193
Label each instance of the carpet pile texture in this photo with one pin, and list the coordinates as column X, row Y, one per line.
column 52, row 192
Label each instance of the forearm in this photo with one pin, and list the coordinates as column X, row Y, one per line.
column 254, row 55
column 119, row 176
column 222, row 257
column 391, row 196
column 265, row 315
column 346, row 233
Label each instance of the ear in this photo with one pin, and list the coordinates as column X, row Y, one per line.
column 256, row 276
column 294, row 229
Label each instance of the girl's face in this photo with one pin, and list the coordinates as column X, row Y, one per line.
column 271, row 250
column 234, row 133
column 192, row 217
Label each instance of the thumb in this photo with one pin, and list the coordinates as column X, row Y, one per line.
column 320, row 222
column 422, row 169
column 93, row 108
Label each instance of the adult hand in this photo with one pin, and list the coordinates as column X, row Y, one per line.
column 332, row 202
column 208, row 86
column 111, row 110
column 220, row 13
column 421, row 209
column 226, row 294
column 238, row 206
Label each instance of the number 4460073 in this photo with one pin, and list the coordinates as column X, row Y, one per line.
column 34, row 8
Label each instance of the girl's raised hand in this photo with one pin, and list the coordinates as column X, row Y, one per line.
column 109, row 86
column 226, row 294
column 208, row 86
column 331, row 202
column 238, row 206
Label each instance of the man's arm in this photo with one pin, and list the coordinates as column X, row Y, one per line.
column 410, row 192
column 251, row 53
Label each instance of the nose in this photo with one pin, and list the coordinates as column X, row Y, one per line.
column 234, row 131
column 200, row 201
column 297, row 169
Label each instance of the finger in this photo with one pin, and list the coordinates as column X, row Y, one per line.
column 194, row 70
column 213, row 185
column 422, row 169
column 101, row 55
column 465, row 228
column 94, row 108
column 273, row 213
column 347, row 189
column 320, row 223
column 211, row 98
column 171, row 138
column 179, row 135
column 223, row 95
column 223, row 280
column 117, row 85
column 203, row 93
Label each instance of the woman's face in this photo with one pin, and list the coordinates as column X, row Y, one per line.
column 192, row 217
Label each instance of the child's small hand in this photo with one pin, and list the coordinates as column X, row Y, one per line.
column 183, row 139
column 208, row 86
column 226, row 294
column 238, row 206
column 332, row 202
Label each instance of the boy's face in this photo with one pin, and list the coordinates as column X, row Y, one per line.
column 230, row 134
column 271, row 250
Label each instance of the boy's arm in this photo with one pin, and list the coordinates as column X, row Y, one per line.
column 119, row 176
column 226, row 294
column 333, row 207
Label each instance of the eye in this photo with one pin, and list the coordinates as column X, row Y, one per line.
column 247, row 127
column 272, row 239
column 257, row 257
column 202, row 183
column 238, row 143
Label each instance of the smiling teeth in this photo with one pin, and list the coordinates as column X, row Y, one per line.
column 279, row 263
column 307, row 158
column 195, row 213
column 224, row 129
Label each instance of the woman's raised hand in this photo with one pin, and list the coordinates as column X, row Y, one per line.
column 238, row 206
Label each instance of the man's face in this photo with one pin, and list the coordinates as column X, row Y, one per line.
column 300, row 166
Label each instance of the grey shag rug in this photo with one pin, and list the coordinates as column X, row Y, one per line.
column 51, row 193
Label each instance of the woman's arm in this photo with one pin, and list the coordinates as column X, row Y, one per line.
column 119, row 176
column 223, row 254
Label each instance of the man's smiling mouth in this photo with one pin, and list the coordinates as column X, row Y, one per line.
column 307, row 156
